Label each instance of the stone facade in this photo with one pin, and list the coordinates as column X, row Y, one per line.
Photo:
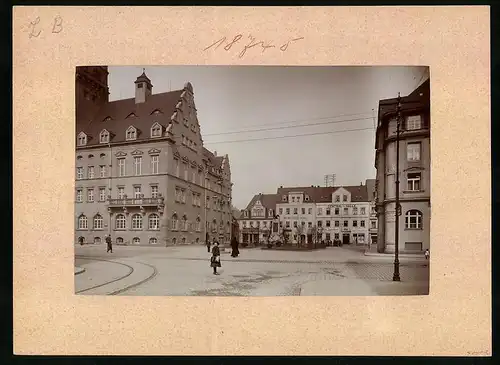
column 143, row 175
column 414, row 168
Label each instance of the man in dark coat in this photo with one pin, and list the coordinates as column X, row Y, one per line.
column 215, row 259
column 207, row 242
column 109, row 243
column 81, row 241
column 234, row 246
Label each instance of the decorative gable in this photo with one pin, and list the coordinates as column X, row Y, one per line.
column 120, row 154
column 156, row 130
column 136, row 153
column 82, row 139
column 154, row 151
column 104, row 136
column 131, row 133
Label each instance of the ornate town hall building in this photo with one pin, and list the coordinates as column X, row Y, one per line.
column 142, row 173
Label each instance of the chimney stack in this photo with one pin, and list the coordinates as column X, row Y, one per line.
column 215, row 153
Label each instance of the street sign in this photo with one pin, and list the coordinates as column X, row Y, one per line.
column 398, row 210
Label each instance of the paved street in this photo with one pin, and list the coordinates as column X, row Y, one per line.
column 184, row 270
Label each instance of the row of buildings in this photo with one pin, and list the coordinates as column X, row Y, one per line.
column 303, row 215
column 142, row 172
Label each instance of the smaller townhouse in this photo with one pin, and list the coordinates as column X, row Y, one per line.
column 256, row 220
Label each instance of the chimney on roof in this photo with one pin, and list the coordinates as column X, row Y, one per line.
column 215, row 153
column 143, row 88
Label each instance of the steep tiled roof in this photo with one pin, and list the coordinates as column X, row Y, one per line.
column 321, row 194
column 267, row 200
column 119, row 110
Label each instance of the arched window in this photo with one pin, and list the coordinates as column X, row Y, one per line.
column 81, row 239
column 413, row 219
column 119, row 240
column 97, row 240
column 174, row 240
column 198, row 224
column 153, row 241
column 137, row 221
column 174, row 223
column 184, row 223
column 82, row 222
column 183, row 240
column 121, row 222
column 136, row 240
column 154, row 221
column 98, row 221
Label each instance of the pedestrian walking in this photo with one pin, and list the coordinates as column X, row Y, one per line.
column 234, row 246
column 215, row 259
column 427, row 253
column 81, row 241
column 109, row 244
column 207, row 242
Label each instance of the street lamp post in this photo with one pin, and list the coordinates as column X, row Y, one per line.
column 396, row 276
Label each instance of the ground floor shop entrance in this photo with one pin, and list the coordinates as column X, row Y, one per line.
column 345, row 238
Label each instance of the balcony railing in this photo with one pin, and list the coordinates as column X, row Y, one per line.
column 136, row 201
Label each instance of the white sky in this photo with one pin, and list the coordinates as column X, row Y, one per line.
column 238, row 98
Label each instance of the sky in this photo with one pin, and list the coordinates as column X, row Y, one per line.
column 245, row 111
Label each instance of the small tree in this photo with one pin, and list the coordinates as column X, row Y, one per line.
column 300, row 231
column 314, row 232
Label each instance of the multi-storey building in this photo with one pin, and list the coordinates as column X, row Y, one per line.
column 308, row 214
column 414, row 168
column 371, row 187
column 256, row 220
column 142, row 173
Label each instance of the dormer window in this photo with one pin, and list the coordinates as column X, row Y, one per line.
column 107, row 119
column 131, row 134
column 156, row 130
column 131, row 115
column 104, row 137
column 156, row 112
column 82, row 139
column 284, row 198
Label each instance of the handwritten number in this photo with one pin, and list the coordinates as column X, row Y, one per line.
column 220, row 41
column 57, row 28
column 235, row 39
column 33, row 24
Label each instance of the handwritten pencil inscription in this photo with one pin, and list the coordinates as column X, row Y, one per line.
column 36, row 29
column 244, row 45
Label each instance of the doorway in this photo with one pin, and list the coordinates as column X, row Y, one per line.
column 345, row 239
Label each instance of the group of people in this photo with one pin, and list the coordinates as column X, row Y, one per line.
column 109, row 243
column 215, row 258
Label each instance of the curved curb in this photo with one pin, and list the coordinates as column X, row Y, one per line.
column 79, row 270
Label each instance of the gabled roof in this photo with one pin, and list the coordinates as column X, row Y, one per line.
column 119, row 110
column 268, row 201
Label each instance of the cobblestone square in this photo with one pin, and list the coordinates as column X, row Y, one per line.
column 185, row 271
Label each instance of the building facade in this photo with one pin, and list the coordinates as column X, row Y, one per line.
column 142, row 173
column 305, row 215
column 255, row 222
column 414, row 172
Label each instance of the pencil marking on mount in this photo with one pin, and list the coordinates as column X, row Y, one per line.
column 35, row 32
column 33, row 24
column 57, row 28
column 263, row 45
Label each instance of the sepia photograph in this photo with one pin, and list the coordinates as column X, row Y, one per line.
column 252, row 180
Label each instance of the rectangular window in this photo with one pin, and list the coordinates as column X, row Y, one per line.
column 346, row 210
column 294, row 210
column 121, row 193
column 362, row 223
column 320, row 211
column 154, row 191
column 90, row 195
column 79, row 173
column 303, row 210
column 354, row 211
column 346, row 223
column 328, row 211
column 287, row 210
column 137, row 192
column 328, row 223
column 121, row 167
column 79, row 195
column 309, row 211
column 354, row 223
column 281, row 210
column 309, row 224
column 320, row 223
column 337, row 198
column 337, row 223
column 177, row 167
column 336, row 236
column 413, row 151
column 194, row 175
column 287, row 224
column 185, row 171
column 414, row 181
column 337, row 211
column 344, row 198
column 102, row 171
column 102, row 194
column 154, row 164
column 138, row 165
column 363, row 211
column 295, row 224
column 413, row 122
column 374, row 224
column 91, row 172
